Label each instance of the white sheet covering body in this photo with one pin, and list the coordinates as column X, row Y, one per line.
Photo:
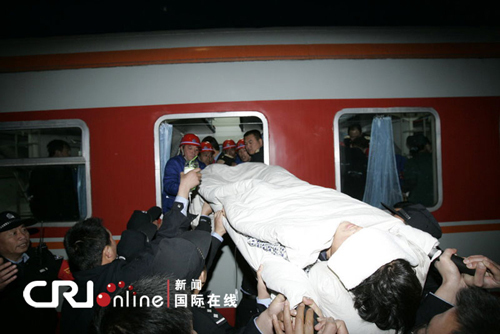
column 282, row 222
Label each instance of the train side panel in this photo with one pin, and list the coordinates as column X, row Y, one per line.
column 120, row 86
column 301, row 140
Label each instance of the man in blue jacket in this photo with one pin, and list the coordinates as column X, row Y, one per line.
column 190, row 147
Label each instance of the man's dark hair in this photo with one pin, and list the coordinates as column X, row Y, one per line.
column 417, row 143
column 150, row 320
column 354, row 126
column 212, row 141
column 389, row 297
column 84, row 243
column 56, row 145
column 477, row 312
column 255, row 133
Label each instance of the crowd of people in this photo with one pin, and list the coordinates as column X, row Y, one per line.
column 200, row 154
column 163, row 260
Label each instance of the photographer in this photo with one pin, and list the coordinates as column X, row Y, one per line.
column 459, row 304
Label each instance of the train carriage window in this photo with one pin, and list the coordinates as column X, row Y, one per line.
column 389, row 155
column 44, row 170
column 170, row 129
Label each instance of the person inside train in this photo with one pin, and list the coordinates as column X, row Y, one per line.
column 215, row 146
column 189, row 150
column 228, row 156
column 254, row 145
column 355, row 167
column 52, row 189
column 207, row 153
column 21, row 264
column 92, row 255
column 460, row 304
column 353, row 131
column 418, row 171
column 241, row 152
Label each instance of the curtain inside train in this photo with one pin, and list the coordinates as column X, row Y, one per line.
column 81, row 187
column 166, row 131
column 382, row 182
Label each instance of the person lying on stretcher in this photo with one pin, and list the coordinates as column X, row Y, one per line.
column 377, row 268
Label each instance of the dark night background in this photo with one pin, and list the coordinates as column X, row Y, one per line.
column 57, row 17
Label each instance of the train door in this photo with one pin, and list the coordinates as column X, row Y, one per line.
column 169, row 129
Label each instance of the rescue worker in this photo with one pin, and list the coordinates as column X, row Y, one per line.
column 228, row 156
column 189, row 149
column 207, row 153
column 242, row 154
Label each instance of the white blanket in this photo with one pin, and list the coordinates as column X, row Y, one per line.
column 282, row 222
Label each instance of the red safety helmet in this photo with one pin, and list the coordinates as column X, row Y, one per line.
column 206, row 147
column 228, row 144
column 240, row 144
column 190, row 139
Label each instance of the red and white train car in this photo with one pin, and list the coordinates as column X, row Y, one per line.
column 122, row 101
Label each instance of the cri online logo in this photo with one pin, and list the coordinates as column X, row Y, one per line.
column 103, row 299
column 55, row 294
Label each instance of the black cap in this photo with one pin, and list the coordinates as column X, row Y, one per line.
column 417, row 215
column 184, row 256
column 154, row 213
column 10, row 220
column 141, row 221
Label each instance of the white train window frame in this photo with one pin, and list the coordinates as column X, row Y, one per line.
column 208, row 115
column 436, row 142
column 82, row 158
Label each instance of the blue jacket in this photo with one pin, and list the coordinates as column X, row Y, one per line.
column 172, row 179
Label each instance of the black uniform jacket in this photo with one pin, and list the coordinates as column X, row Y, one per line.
column 42, row 265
